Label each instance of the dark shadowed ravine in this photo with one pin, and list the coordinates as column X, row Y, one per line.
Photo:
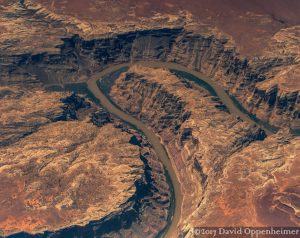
column 97, row 88
column 153, row 139
column 100, row 91
column 202, row 81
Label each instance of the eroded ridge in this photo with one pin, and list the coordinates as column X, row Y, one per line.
column 260, row 73
column 249, row 50
column 65, row 161
column 229, row 173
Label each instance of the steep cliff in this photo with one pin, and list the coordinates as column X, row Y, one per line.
column 42, row 46
column 248, row 80
column 277, row 104
column 203, row 139
column 90, row 170
column 212, row 151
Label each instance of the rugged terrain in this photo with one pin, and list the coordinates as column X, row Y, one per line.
column 230, row 174
column 250, row 48
column 263, row 79
column 64, row 161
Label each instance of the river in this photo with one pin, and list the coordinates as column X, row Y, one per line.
column 152, row 138
column 231, row 103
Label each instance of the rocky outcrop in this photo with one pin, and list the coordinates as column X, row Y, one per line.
column 59, row 183
column 242, row 78
column 257, row 187
column 72, row 49
column 23, row 112
column 278, row 98
column 90, row 170
column 90, row 46
column 201, row 138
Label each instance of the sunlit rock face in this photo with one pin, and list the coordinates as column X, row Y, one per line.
column 259, row 185
column 69, row 177
column 64, row 161
column 246, row 48
column 276, row 100
column 250, row 48
column 230, row 174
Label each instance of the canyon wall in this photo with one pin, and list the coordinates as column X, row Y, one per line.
column 266, row 87
column 210, row 148
column 227, row 169
column 66, row 162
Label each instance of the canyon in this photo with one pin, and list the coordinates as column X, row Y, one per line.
column 221, row 183
column 90, row 167
column 265, row 85
column 231, row 172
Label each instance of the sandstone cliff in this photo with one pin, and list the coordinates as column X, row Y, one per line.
column 225, row 168
column 91, row 45
column 41, row 43
column 64, row 161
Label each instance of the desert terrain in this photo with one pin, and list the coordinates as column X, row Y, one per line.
column 70, row 166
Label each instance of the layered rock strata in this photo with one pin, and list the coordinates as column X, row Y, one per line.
column 227, row 169
column 266, row 84
column 65, row 161
column 39, row 44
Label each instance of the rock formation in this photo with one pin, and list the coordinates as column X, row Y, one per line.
column 250, row 49
column 227, row 169
column 168, row 38
column 64, row 161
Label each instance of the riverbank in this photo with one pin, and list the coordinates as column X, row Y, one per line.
column 154, row 141
column 204, row 82
column 201, row 138
column 109, row 74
